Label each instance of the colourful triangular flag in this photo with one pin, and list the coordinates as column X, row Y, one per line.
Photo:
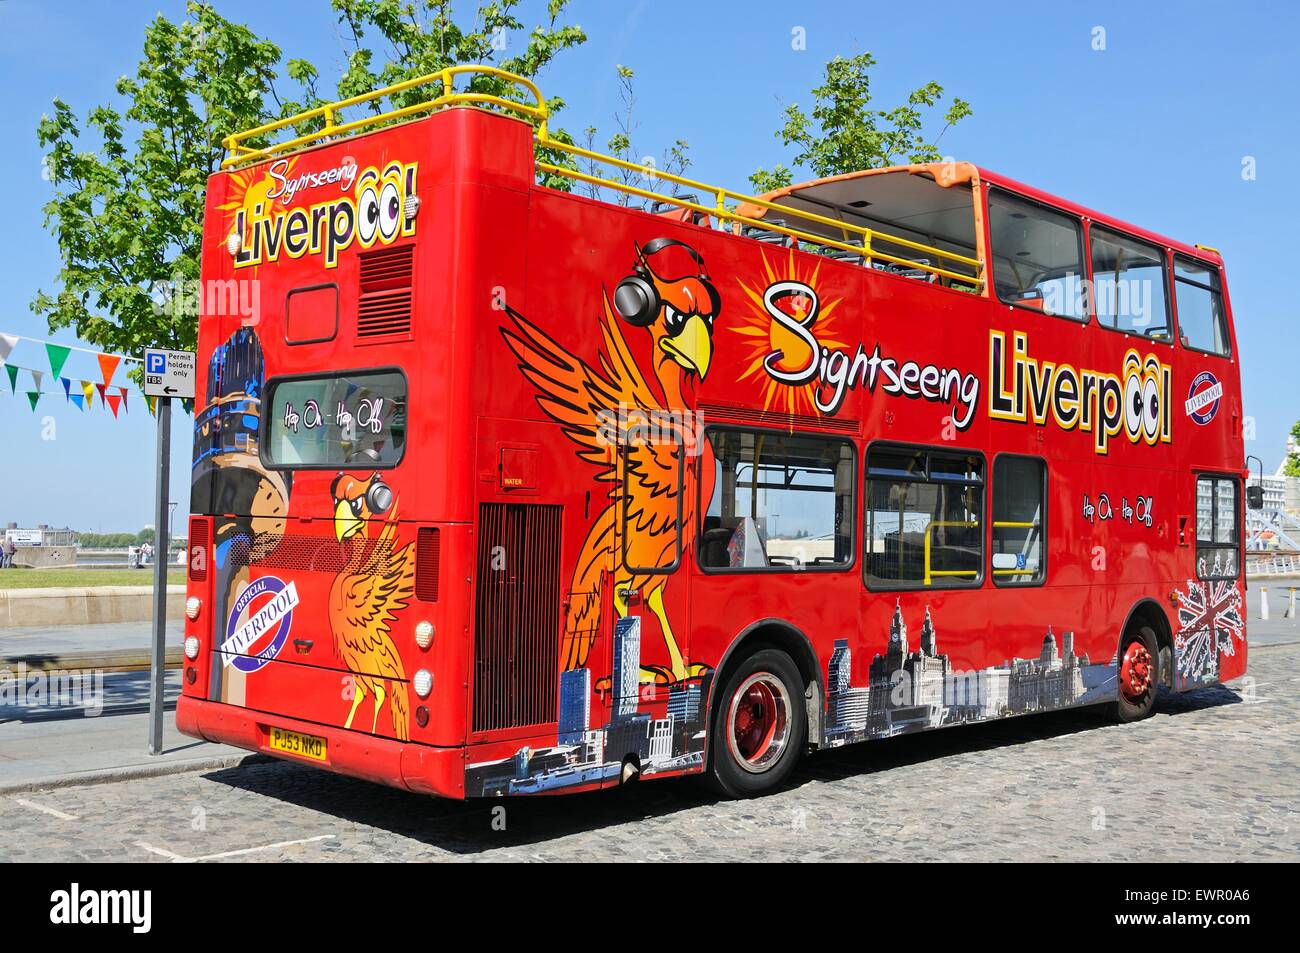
column 114, row 402
column 88, row 391
column 58, row 354
column 101, row 388
column 12, row 371
column 7, row 344
column 79, row 400
column 37, row 377
column 67, row 388
column 187, row 404
column 33, row 396
column 123, row 390
column 108, row 365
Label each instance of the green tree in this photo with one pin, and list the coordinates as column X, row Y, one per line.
column 1293, row 458
column 622, row 145
column 844, row 133
column 129, row 180
column 128, row 212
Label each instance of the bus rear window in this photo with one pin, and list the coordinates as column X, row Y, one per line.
column 337, row 420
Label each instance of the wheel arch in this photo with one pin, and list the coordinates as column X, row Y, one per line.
column 778, row 634
column 1147, row 611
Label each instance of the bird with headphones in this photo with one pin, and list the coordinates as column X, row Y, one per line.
column 639, row 537
column 375, row 583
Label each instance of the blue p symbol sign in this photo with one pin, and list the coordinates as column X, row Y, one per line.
column 157, row 364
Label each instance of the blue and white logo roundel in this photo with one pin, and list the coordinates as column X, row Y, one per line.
column 1203, row 398
column 249, row 646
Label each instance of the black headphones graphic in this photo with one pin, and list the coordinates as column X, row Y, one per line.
column 637, row 300
column 379, row 497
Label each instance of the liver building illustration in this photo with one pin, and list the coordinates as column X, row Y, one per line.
column 911, row 690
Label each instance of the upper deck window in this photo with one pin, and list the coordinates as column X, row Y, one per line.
column 1128, row 280
column 1037, row 257
column 337, row 420
column 1201, row 320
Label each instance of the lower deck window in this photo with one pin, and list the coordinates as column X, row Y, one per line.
column 924, row 518
column 1019, row 518
column 1218, row 528
column 779, row 501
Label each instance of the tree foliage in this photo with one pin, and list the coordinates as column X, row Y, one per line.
column 1293, row 458
column 844, row 132
column 127, row 212
column 129, row 179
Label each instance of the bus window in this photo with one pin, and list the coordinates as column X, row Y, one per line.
column 1037, row 257
column 780, row 502
column 1128, row 283
column 1218, row 529
column 336, row 420
column 923, row 518
column 1201, row 322
column 1019, row 520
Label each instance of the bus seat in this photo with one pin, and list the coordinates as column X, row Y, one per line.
column 665, row 208
column 768, row 235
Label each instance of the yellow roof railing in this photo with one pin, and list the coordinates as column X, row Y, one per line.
column 855, row 238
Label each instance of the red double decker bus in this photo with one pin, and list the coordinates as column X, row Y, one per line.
column 509, row 489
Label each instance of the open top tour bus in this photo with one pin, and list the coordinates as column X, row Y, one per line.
column 508, row 489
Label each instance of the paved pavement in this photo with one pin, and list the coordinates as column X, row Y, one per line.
column 72, row 640
column 1212, row 776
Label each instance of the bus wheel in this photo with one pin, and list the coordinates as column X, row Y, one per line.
column 1138, row 676
column 759, row 725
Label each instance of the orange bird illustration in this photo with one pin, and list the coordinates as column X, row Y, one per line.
column 372, row 587
column 597, row 406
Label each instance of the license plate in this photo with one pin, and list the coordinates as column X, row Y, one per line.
column 293, row 742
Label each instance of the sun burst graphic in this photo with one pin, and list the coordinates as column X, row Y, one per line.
column 761, row 335
column 248, row 189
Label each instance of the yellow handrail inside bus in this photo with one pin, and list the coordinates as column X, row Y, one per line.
column 997, row 524
column 856, row 239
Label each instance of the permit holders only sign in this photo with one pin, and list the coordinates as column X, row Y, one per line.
column 169, row 373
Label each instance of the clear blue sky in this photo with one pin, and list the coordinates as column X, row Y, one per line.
column 1152, row 129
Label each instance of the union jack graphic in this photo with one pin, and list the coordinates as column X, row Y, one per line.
column 1209, row 620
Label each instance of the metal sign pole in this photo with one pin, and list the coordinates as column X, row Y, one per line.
column 162, row 540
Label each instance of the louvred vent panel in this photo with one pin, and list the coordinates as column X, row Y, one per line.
column 384, row 306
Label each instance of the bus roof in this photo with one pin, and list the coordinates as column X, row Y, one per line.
column 948, row 174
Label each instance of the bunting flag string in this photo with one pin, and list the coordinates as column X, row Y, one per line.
column 77, row 391
column 58, row 355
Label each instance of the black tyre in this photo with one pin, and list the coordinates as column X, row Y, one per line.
column 758, row 725
column 1138, row 674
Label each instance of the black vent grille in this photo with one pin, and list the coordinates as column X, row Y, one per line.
column 384, row 306
column 517, row 616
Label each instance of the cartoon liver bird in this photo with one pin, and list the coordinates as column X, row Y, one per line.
column 616, row 401
column 376, row 582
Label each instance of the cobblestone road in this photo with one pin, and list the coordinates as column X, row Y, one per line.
column 1212, row 776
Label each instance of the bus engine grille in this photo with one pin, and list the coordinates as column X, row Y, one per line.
column 517, row 616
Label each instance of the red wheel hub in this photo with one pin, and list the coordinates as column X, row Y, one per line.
column 759, row 715
column 1135, row 672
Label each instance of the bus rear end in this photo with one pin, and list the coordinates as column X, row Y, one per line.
column 331, row 531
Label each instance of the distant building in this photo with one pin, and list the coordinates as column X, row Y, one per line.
column 1053, row 680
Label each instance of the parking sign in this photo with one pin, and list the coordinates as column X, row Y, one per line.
column 169, row 373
